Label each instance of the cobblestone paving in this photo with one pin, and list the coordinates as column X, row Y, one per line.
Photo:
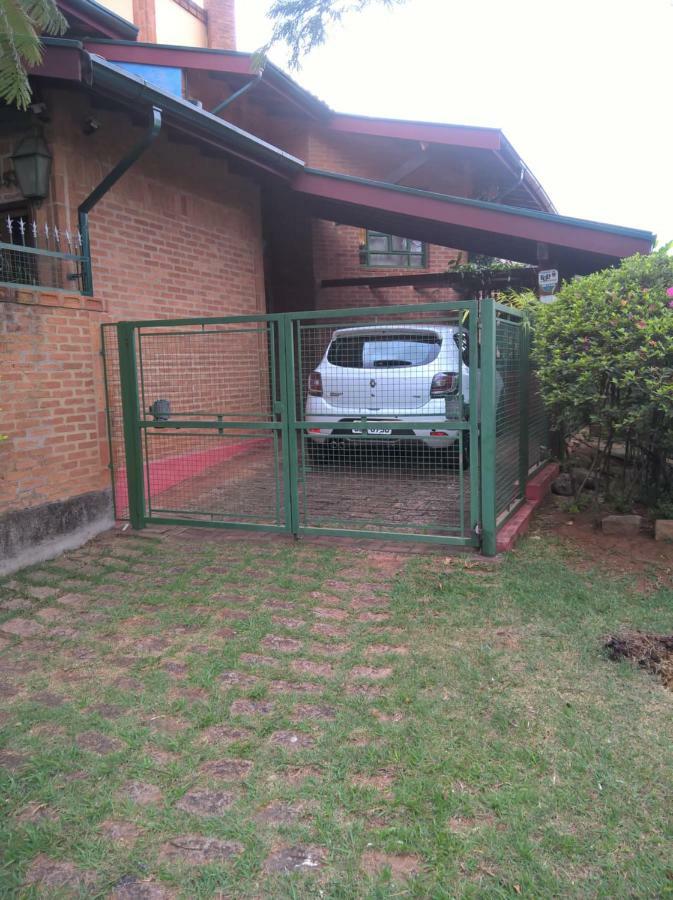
column 149, row 750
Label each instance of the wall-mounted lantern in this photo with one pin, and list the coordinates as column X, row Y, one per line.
column 32, row 166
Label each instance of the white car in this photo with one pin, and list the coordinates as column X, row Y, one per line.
column 389, row 373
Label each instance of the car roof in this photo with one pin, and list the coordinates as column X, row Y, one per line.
column 395, row 327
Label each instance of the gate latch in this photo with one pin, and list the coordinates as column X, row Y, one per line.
column 160, row 410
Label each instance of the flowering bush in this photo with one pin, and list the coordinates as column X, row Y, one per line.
column 604, row 356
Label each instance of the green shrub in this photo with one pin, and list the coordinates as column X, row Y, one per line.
column 604, row 356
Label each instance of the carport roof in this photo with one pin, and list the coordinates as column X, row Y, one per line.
column 576, row 246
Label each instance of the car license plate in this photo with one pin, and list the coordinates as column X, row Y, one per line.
column 373, row 431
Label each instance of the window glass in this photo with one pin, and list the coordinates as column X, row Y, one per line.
column 391, row 251
column 389, row 352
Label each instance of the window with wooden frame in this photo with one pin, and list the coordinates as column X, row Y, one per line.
column 391, row 252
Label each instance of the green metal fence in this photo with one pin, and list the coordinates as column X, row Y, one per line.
column 408, row 422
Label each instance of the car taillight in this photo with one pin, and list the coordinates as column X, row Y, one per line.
column 315, row 384
column 443, row 384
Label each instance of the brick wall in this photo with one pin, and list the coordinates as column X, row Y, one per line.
column 336, row 248
column 177, row 236
column 336, row 253
column 144, row 17
column 221, row 24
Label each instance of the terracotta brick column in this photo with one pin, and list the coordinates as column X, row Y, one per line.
column 144, row 17
column 221, row 24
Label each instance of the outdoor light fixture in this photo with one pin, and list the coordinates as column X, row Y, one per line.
column 32, row 165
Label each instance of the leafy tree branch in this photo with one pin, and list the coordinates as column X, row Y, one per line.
column 303, row 24
column 21, row 24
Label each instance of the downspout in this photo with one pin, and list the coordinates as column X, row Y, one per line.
column 239, row 93
column 100, row 190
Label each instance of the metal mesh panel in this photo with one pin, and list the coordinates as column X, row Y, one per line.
column 538, row 426
column 508, row 412
column 215, row 372
column 209, row 374
column 230, row 477
column 115, row 421
column 383, row 398
column 359, row 421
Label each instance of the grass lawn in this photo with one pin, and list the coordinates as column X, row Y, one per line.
column 215, row 718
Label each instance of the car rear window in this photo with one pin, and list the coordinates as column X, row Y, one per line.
column 363, row 351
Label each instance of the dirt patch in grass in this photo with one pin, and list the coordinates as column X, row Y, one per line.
column 313, row 711
column 292, row 740
column 18, row 604
column 371, row 673
column 234, row 678
column 255, row 659
column 295, row 859
column 131, row 888
column 369, row 603
column 206, row 803
column 379, row 781
column 386, row 649
column 162, row 757
column 281, row 644
column 320, row 649
column 466, row 824
column 195, row 850
column 58, row 876
column 294, row 687
column 400, row 865
column 141, row 793
column 119, row 832
column 309, row 667
column 252, row 708
column 22, row 627
column 166, row 724
column 227, row 769
column 97, row 742
column 189, row 694
column 333, row 615
column 653, row 652
column 279, row 812
column 289, row 623
column 373, row 617
column 324, row 629
column 223, row 735
column 129, row 685
column 650, row 561
column 36, row 812
column 48, row 699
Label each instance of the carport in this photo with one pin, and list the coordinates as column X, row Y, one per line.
column 199, row 451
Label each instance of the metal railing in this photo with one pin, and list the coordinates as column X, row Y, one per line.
column 44, row 256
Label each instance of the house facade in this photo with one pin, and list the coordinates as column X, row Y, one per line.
column 181, row 182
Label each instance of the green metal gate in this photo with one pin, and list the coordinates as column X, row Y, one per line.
column 252, row 422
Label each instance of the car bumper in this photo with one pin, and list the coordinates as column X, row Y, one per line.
column 336, row 430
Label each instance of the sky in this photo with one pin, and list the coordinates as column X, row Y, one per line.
column 582, row 88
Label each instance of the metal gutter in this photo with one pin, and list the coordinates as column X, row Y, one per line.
column 110, row 78
column 274, row 77
column 104, row 186
column 98, row 74
column 489, row 206
column 530, row 182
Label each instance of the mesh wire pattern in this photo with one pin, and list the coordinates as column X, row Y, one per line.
column 382, row 447
column 360, row 421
